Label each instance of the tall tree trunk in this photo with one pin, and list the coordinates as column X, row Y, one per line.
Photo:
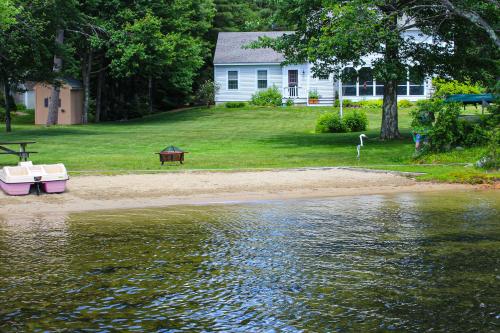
column 389, row 128
column 98, row 100
column 87, row 67
column 56, row 87
column 150, row 94
column 6, row 91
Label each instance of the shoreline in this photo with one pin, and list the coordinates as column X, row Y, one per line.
column 92, row 193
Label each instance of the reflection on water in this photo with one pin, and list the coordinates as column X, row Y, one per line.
column 415, row 262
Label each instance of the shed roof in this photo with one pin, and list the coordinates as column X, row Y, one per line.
column 229, row 48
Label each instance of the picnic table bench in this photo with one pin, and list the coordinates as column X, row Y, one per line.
column 23, row 154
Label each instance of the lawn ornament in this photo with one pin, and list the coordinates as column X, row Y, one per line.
column 358, row 147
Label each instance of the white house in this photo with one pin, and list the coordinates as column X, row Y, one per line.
column 240, row 72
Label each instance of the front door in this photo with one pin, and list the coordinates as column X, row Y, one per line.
column 293, row 78
column 293, row 82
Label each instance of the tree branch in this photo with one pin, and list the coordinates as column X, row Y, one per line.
column 474, row 18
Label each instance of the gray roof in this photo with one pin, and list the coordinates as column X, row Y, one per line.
column 229, row 49
column 73, row 83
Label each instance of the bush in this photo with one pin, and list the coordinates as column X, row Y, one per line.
column 207, row 91
column 404, row 103
column 424, row 114
column 268, row 97
column 347, row 103
column 472, row 134
column 446, row 130
column 371, row 103
column 491, row 159
column 330, row 123
column 289, row 102
column 444, row 88
column 2, row 114
column 234, row 105
column 356, row 121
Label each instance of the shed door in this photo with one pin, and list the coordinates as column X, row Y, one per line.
column 293, row 77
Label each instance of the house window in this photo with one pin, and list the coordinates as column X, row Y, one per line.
column 232, row 80
column 349, row 86
column 416, row 83
column 403, row 87
column 262, row 79
column 379, row 88
column 365, row 82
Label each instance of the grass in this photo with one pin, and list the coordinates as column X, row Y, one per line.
column 222, row 138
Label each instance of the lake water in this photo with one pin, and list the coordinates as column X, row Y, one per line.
column 403, row 263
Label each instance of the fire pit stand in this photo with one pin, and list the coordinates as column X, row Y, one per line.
column 172, row 154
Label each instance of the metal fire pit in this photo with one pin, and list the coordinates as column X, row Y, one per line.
column 172, row 154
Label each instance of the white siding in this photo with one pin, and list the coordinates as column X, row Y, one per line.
column 247, row 81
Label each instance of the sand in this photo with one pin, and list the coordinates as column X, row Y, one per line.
column 86, row 193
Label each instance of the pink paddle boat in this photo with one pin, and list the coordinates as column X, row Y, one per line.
column 18, row 180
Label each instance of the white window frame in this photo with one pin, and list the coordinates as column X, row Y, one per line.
column 257, row 78
column 227, row 79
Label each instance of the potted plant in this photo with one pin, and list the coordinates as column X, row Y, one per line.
column 313, row 97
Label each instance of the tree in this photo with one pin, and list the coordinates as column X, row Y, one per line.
column 207, row 92
column 336, row 34
column 7, row 14
column 485, row 14
column 23, row 48
column 470, row 27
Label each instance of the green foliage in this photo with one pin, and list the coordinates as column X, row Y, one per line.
column 404, row 103
column 7, row 14
column 330, row 123
column 370, row 103
column 207, row 91
column 289, row 102
column 491, row 159
column 444, row 88
column 2, row 114
column 346, row 103
column 446, row 131
column 234, row 105
column 269, row 97
column 424, row 115
column 356, row 121
column 313, row 94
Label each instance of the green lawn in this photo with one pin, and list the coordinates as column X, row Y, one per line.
column 222, row 138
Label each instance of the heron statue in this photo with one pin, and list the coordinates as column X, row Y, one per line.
column 358, row 147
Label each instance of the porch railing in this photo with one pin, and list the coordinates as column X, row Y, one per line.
column 292, row 92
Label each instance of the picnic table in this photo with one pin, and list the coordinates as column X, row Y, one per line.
column 23, row 154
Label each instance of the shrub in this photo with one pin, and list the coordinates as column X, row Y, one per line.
column 289, row 102
column 444, row 88
column 404, row 103
column 356, row 121
column 347, row 103
column 446, row 130
column 491, row 159
column 472, row 134
column 207, row 91
column 2, row 114
column 424, row 114
column 330, row 123
column 269, row 97
column 313, row 94
column 234, row 105
column 371, row 103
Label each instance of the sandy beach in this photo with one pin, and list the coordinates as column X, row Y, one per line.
column 85, row 193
